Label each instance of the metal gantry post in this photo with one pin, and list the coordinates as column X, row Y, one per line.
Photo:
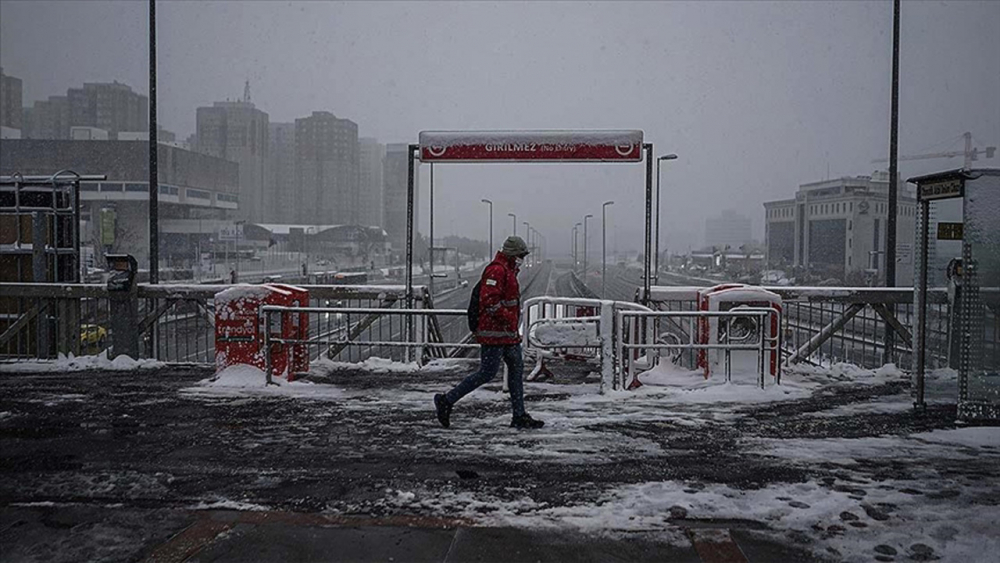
column 649, row 212
column 921, row 298
column 430, row 247
column 890, row 224
column 154, row 188
column 409, row 241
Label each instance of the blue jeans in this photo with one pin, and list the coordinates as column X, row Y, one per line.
column 489, row 362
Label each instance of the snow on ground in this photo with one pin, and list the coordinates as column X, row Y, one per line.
column 246, row 380
column 65, row 363
column 227, row 504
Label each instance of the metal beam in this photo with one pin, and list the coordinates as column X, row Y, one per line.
column 21, row 322
column 366, row 322
column 829, row 330
column 893, row 322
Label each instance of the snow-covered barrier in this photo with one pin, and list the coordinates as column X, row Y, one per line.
column 239, row 330
column 561, row 326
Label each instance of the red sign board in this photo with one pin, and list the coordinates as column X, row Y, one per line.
column 531, row 146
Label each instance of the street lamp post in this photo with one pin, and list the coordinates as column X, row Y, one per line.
column 604, row 248
column 239, row 238
column 585, row 217
column 576, row 245
column 492, row 250
column 514, row 217
column 656, row 260
column 527, row 237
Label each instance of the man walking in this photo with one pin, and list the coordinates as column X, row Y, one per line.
column 497, row 333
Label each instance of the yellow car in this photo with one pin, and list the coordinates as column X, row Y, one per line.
column 93, row 337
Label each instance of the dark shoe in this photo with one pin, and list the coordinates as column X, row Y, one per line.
column 443, row 409
column 525, row 421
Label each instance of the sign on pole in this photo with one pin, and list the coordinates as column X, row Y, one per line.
column 107, row 224
column 942, row 189
column 950, row 231
column 229, row 233
column 531, row 146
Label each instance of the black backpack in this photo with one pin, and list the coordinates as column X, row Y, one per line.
column 472, row 313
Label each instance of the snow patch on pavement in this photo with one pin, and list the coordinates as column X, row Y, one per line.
column 226, row 504
column 832, row 522
column 242, row 380
column 64, row 363
column 379, row 365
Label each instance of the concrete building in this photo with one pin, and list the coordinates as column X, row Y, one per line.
column 47, row 119
column 327, row 169
column 238, row 132
column 837, row 229
column 372, row 156
column 112, row 107
column 728, row 229
column 198, row 193
column 394, row 178
column 280, row 188
column 10, row 106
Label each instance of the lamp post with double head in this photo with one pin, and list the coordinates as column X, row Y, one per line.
column 604, row 248
column 656, row 259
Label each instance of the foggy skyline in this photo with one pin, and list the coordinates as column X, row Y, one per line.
column 755, row 98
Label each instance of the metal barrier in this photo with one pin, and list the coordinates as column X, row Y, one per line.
column 638, row 337
column 42, row 320
column 832, row 324
column 539, row 312
column 342, row 331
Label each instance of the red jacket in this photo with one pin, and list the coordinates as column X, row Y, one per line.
column 499, row 303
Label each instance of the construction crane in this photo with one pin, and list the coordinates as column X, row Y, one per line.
column 971, row 154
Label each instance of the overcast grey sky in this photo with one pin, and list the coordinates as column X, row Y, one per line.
column 756, row 98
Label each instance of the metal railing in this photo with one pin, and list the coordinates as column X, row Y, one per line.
column 824, row 325
column 43, row 320
column 343, row 330
column 640, row 339
column 539, row 312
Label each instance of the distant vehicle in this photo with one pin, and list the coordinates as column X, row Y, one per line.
column 323, row 262
column 774, row 277
column 93, row 337
column 463, row 283
column 350, row 278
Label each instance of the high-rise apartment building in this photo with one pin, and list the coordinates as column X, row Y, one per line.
column 394, row 179
column 372, row 155
column 238, row 131
column 280, row 190
column 47, row 119
column 327, row 169
column 10, row 103
column 113, row 107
